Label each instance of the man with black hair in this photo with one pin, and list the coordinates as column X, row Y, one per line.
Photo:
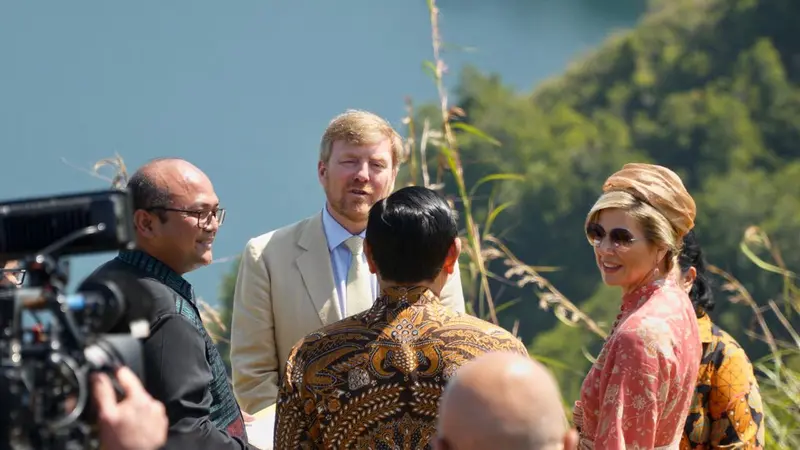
column 373, row 380
column 176, row 218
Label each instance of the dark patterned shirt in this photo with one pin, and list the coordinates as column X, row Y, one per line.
column 726, row 411
column 373, row 380
column 182, row 367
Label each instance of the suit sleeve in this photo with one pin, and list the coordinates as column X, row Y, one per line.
column 179, row 376
column 453, row 294
column 254, row 356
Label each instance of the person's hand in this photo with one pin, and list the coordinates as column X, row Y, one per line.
column 248, row 417
column 138, row 422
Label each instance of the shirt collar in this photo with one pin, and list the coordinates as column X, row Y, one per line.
column 409, row 295
column 394, row 300
column 334, row 231
column 158, row 270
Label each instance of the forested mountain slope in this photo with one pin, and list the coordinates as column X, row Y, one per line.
column 708, row 88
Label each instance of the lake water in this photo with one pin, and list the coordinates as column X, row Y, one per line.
column 246, row 89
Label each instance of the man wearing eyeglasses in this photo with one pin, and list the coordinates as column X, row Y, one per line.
column 176, row 218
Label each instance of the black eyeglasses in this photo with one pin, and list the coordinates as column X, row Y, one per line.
column 203, row 217
column 620, row 238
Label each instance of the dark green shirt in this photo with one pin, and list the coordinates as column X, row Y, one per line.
column 183, row 368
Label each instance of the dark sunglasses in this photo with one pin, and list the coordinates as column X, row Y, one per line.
column 620, row 238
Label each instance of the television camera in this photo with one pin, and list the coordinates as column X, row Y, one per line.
column 52, row 342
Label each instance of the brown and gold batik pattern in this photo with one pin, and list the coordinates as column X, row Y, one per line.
column 373, row 380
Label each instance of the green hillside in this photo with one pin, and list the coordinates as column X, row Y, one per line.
column 706, row 88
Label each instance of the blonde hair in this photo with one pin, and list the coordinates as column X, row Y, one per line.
column 357, row 127
column 657, row 229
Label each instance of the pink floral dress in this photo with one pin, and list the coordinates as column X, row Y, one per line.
column 637, row 394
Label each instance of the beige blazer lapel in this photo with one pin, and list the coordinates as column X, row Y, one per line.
column 315, row 267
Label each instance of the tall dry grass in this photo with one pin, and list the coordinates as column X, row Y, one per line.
column 480, row 246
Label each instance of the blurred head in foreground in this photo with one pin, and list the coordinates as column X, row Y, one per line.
column 503, row 401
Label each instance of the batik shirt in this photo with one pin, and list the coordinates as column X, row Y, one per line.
column 638, row 392
column 374, row 380
column 726, row 411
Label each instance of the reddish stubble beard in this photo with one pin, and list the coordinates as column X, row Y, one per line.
column 354, row 202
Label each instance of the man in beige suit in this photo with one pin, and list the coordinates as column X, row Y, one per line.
column 294, row 280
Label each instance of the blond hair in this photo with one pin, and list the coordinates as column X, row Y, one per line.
column 657, row 229
column 357, row 127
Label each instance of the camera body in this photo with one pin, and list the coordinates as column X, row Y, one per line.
column 52, row 342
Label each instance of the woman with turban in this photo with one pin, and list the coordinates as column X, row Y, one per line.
column 638, row 392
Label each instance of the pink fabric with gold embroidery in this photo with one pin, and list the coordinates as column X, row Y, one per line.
column 637, row 394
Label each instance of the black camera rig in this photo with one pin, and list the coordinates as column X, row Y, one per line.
column 51, row 342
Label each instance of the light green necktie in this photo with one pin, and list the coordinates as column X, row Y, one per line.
column 359, row 289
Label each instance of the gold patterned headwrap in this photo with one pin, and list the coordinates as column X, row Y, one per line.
column 659, row 187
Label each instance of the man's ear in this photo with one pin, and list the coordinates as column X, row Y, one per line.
column 322, row 170
column 451, row 261
column 143, row 223
column 370, row 262
column 395, row 170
